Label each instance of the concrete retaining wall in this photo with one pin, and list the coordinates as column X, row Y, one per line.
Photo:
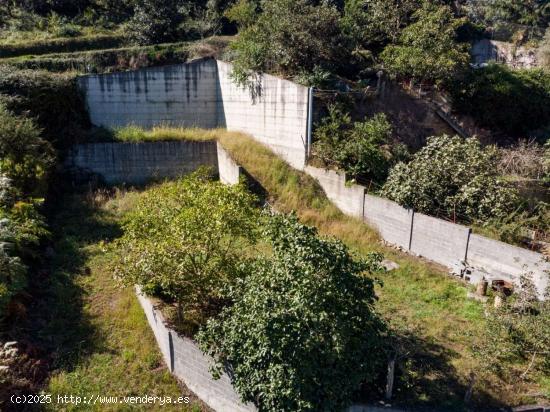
column 202, row 94
column 393, row 222
column 177, row 95
column 275, row 113
column 435, row 239
column 350, row 199
column 230, row 171
column 190, row 365
column 503, row 261
column 138, row 163
column 443, row 242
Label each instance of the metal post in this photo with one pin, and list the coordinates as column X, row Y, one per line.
column 309, row 122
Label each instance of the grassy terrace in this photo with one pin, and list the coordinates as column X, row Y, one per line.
column 85, row 58
column 419, row 297
column 98, row 331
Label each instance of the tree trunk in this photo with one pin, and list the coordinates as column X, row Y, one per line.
column 391, row 375
column 470, row 391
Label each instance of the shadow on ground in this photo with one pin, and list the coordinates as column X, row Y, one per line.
column 54, row 332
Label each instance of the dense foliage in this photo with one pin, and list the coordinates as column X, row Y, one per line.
column 452, row 176
column 25, row 160
column 427, row 49
column 183, row 242
column 361, row 149
column 287, row 37
column 513, row 101
column 52, row 99
column 302, row 334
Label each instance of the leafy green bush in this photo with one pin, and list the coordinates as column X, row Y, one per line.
column 449, row 176
column 288, row 37
column 427, row 49
column 512, row 101
column 52, row 99
column 302, row 334
column 155, row 21
column 12, row 270
column 25, row 158
column 360, row 148
column 183, row 242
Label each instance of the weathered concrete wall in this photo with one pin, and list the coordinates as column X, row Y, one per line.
column 189, row 364
column 230, row 171
column 275, row 113
column 485, row 51
column 138, row 163
column 443, row 242
column 202, row 94
column 176, row 95
column 393, row 222
column 350, row 199
column 503, row 261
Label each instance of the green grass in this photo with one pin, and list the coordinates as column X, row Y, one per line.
column 419, row 296
column 116, row 59
column 101, row 341
column 58, row 45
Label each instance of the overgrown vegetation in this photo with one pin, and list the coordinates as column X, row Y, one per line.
column 303, row 333
column 25, row 161
column 511, row 101
column 452, row 177
column 361, row 149
column 185, row 242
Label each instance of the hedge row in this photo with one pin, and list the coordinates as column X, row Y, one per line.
column 63, row 45
column 52, row 99
column 101, row 61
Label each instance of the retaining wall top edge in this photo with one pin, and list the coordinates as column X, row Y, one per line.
column 142, row 69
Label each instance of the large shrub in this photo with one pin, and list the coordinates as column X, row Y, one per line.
column 452, row 176
column 427, row 49
column 360, row 148
column 183, row 242
column 303, row 333
column 155, row 21
column 25, row 157
column 289, row 36
column 52, row 99
column 512, row 101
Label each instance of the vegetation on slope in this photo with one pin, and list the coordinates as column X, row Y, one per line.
column 96, row 332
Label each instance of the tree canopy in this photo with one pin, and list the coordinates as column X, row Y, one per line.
column 303, row 333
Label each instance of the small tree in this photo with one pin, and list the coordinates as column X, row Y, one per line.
column 360, row 148
column 427, row 49
column 302, row 334
column 155, row 21
column 453, row 176
column 25, row 158
column 289, row 36
column 184, row 242
column 516, row 334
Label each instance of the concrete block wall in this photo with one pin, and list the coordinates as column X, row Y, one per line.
column 393, row 222
column 443, row 242
column 189, row 364
column 202, row 94
column 138, row 163
column 350, row 199
column 506, row 261
column 229, row 170
column 276, row 113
